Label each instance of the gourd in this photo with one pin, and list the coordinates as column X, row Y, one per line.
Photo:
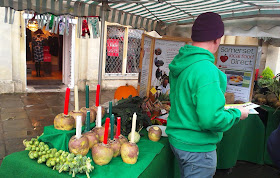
column 125, row 92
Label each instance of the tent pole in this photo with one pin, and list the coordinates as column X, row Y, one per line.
column 101, row 48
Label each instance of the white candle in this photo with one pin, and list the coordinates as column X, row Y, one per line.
column 78, row 127
column 133, row 127
column 76, row 97
column 99, row 110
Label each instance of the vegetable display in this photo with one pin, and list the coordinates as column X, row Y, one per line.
column 125, row 109
column 59, row 160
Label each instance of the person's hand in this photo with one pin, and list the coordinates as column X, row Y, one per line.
column 244, row 112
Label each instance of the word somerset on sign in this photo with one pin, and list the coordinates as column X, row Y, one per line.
column 238, row 63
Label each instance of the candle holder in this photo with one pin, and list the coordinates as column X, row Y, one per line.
column 64, row 122
column 93, row 138
column 100, row 132
column 76, row 114
column 129, row 152
column 102, row 153
column 94, row 109
column 116, row 146
column 79, row 146
column 92, row 113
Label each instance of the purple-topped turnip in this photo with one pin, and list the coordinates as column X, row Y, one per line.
column 129, row 150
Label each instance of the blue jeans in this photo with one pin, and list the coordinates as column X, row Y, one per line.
column 196, row 164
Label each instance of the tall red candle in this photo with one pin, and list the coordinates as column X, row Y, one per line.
column 118, row 127
column 66, row 102
column 106, row 130
column 97, row 95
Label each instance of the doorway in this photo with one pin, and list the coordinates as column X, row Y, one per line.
column 44, row 57
column 54, row 68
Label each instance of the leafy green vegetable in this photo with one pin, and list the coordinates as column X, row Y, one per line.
column 164, row 97
column 267, row 73
column 59, row 160
column 126, row 108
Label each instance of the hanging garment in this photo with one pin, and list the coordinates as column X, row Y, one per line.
column 85, row 29
column 61, row 26
column 54, row 45
column 95, row 27
column 37, row 45
column 28, row 48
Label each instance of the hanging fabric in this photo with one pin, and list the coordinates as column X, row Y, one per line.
column 61, row 26
column 27, row 18
column 51, row 22
column 54, row 24
column 12, row 16
column 42, row 24
column 85, row 29
column 39, row 21
column 67, row 25
column 94, row 22
column 6, row 15
column 79, row 28
column 48, row 22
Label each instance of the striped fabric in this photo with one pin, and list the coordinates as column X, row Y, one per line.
column 147, row 13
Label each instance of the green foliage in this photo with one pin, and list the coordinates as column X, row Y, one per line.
column 126, row 108
column 267, row 73
column 164, row 97
column 265, row 82
column 275, row 86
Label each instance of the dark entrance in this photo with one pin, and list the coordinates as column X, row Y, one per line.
column 43, row 57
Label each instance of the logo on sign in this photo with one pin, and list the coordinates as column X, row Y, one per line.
column 224, row 58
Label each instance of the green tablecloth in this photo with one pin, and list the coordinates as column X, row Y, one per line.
column 19, row 165
column 273, row 120
column 244, row 141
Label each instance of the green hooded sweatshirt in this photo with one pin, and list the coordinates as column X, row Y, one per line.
column 197, row 118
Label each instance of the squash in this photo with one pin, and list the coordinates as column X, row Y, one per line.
column 125, row 92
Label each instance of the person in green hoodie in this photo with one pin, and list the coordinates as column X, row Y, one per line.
column 197, row 118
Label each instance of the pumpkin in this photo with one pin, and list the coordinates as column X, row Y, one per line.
column 125, row 92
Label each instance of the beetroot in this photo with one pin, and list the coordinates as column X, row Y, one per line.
column 129, row 152
column 64, row 122
column 100, row 132
column 92, row 138
column 102, row 154
column 116, row 146
column 79, row 146
column 75, row 114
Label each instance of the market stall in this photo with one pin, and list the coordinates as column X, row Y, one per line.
column 155, row 158
column 154, row 164
column 234, row 146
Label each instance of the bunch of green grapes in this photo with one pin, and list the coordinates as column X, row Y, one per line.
column 59, row 160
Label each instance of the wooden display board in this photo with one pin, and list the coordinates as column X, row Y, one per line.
column 156, row 55
column 238, row 63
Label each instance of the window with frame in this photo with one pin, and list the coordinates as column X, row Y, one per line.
column 123, row 48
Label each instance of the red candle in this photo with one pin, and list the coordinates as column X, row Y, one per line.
column 97, row 95
column 66, row 103
column 106, row 130
column 118, row 127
